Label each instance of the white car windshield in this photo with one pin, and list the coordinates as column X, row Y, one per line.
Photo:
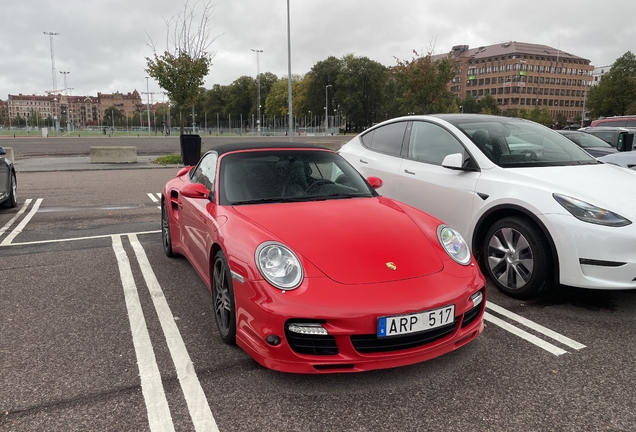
column 512, row 142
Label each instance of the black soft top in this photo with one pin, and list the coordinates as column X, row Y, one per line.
column 231, row 147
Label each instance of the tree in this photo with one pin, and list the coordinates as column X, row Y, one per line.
column 489, row 105
column 616, row 92
column 424, row 81
column 185, row 63
column 240, row 94
column 321, row 75
column 470, row 105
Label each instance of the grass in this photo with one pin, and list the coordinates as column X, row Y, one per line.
column 171, row 159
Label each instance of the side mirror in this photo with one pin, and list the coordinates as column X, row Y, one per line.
column 375, row 182
column 625, row 142
column 453, row 161
column 2, row 151
column 195, row 190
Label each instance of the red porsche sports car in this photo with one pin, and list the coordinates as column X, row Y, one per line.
column 311, row 271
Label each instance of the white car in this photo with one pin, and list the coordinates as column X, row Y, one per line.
column 536, row 209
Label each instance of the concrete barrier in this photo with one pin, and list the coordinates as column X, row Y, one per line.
column 9, row 154
column 113, row 154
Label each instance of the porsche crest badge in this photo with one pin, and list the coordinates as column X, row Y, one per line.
column 391, row 266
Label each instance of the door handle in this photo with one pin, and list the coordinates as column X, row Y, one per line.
column 363, row 161
column 409, row 172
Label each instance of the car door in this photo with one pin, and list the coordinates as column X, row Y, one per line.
column 5, row 173
column 198, row 225
column 423, row 183
column 380, row 155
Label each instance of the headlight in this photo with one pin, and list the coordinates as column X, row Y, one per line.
column 454, row 244
column 279, row 265
column 590, row 213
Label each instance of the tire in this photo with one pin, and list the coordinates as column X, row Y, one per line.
column 517, row 257
column 12, row 201
column 166, row 236
column 223, row 298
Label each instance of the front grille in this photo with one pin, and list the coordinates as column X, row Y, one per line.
column 471, row 316
column 311, row 344
column 370, row 343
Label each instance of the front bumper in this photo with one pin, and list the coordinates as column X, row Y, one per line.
column 349, row 315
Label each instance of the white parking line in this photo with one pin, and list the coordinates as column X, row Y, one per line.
column 155, row 197
column 14, row 218
column 22, row 224
column 79, row 238
column 195, row 397
column 524, row 335
column 536, row 327
column 152, row 388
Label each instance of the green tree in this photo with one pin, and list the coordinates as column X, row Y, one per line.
column 488, row 105
column 424, row 81
column 322, row 74
column 359, row 91
column 276, row 104
column 183, row 66
column 615, row 94
column 470, row 105
column 241, row 99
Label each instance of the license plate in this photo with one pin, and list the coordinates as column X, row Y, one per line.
column 416, row 322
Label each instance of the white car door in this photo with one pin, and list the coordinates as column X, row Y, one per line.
column 444, row 193
column 378, row 154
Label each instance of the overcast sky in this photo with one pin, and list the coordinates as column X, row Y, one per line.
column 103, row 44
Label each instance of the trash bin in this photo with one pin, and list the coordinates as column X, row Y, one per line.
column 190, row 149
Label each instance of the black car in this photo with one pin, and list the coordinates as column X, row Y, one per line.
column 590, row 143
column 620, row 137
column 8, row 182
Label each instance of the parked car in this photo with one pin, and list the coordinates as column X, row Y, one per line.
column 8, row 181
column 624, row 159
column 618, row 121
column 619, row 137
column 310, row 270
column 533, row 219
column 590, row 143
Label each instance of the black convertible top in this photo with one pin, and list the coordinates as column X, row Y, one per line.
column 226, row 148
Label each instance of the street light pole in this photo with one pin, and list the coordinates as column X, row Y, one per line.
column 258, row 91
column 289, row 79
column 148, row 104
column 327, row 107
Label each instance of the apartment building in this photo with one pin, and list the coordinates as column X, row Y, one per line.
column 523, row 76
column 79, row 111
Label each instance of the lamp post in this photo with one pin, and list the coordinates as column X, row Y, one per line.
column 289, row 78
column 258, row 91
column 327, row 107
column 148, row 104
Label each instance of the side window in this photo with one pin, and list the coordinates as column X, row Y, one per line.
column 388, row 139
column 431, row 143
column 205, row 172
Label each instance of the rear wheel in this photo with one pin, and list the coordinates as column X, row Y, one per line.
column 223, row 296
column 13, row 192
column 517, row 257
column 166, row 237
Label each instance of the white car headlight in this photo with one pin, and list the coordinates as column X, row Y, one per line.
column 590, row 213
column 454, row 244
column 279, row 265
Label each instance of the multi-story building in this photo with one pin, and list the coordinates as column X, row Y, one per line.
column 79, row 111
column 599, row 72
column 523, row 76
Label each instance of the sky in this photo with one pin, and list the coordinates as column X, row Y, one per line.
column 103, row 45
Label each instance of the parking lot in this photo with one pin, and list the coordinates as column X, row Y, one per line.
column 101, row 331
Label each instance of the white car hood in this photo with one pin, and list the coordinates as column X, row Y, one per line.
column 607, row 186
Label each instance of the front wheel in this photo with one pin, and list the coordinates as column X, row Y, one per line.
column 517, row 257
column 223, row 297
column 166, row 237
column 13, row 192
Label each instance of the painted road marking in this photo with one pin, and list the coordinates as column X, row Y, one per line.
column 155, row 197
column 195, row 397
column 152, row 388
column 79, row 238
column 14, row 218
column 531, row 325
column 17, row 230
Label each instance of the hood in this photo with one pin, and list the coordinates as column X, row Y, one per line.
column 607, row 186
column 350, row 240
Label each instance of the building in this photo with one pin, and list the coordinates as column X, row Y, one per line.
column 34, row 108
column 599, row 72
column 127, row 104
column 524, row 76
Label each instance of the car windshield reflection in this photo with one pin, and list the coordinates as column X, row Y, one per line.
column 518, row 143
column 274, row 176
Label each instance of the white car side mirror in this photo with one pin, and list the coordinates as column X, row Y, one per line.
column 453, row 161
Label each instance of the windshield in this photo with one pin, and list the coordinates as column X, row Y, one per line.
column 512, row 142
column 265, row 176
column 586, row 140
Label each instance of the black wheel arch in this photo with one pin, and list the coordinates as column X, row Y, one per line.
column 509, row 210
